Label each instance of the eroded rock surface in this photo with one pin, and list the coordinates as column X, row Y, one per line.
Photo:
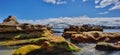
column 77, row 29
column 108, row 46
column 95, row 36
column 47, row 46
column 11, row 20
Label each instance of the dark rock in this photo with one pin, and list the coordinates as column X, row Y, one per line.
column 107, row 46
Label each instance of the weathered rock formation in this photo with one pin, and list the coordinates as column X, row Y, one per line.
column 95, row 36
column 76, row 29
column 10, row 28
column 38, row 38
column 83, row 28
column 11, row 20
column 47, row 46
column 108, row 46
column 11, row 24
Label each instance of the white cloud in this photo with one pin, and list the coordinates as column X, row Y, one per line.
column 84, row 0
column 105, row 3
column 97, row 1
column 103, row 12
column 55, row 1
column 117, row 6
column 111, row 21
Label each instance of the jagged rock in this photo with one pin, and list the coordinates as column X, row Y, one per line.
column 47, row 46
column 11, row 20
column 77, row 29
column 10, row 24
column 11, row 29
column 95, row 36
column 107, row 46
column 83, row 28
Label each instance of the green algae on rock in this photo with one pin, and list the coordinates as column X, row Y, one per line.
column 25, row 49
column 51, row 45
column 107, row 46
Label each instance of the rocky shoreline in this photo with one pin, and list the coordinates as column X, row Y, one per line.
column 39, row 39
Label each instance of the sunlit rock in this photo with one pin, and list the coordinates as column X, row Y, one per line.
column 11, row 29
column 95, row 36
column 26, row 49
column 49, row 45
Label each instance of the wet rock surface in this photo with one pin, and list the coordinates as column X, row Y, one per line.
column 108, row 46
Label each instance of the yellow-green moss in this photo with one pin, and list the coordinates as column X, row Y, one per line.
column 104, row 43
column 48, row 44
column 26, row 49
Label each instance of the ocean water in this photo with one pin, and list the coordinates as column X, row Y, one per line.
column 111, row 30
column 86, row 48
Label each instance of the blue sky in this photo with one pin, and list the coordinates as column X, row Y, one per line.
column 46, row 9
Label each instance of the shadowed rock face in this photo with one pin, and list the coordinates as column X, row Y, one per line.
column 95, row 36
column 11, row 20
column 107, row 46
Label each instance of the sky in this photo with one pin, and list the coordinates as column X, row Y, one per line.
column 38, row 11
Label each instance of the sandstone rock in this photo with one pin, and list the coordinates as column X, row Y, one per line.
column 48, row 46
column 77, row 29
column 107, row 46
column 83, row 28
column 26, row 49
column 95, row 36
column 79, row 38
column 10, row 21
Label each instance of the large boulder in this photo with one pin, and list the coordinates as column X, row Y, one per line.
column 95, row 36
column 107, row 46
column 11, row 20
column 47, row 46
